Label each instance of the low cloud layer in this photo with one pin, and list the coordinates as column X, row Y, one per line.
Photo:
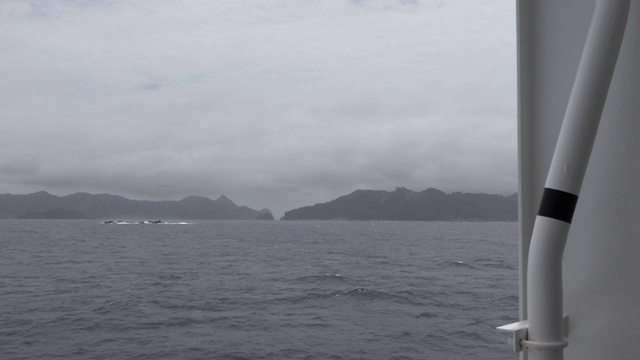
column 272, row 103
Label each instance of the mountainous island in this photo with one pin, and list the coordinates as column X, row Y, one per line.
column 42, row 205
column 405, row 204
column 401, row 204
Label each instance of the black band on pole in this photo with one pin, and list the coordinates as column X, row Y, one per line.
column 558, row 205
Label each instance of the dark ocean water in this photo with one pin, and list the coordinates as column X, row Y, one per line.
column 256, row 290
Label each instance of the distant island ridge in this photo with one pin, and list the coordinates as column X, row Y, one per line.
column 42, row 205
column 407, row 205
column 399, row 205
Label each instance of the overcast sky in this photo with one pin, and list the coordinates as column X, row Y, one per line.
column 273, row 103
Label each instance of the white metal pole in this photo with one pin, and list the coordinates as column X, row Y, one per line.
column 545, row 339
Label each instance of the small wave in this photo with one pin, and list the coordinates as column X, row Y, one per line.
column 111, row 306
column 427, row 315
column 508, row 300
column 459, row 263
column 468, row 335
column 307, row 325
column 363, row 292
column 321, row 278
column 437, row 342
column 357, row 293
column 494, row 263
column 162, row 276
column 234, row 356
column 372, row 294
column 146, row 222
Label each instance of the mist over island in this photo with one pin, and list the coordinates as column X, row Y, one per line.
column 42, row 205
column 407, row 205
column 401, row 204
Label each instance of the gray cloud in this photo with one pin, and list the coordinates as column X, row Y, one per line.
column 275, row 104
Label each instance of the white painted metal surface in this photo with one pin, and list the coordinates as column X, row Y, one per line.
column 545, row 338
column 601, row 294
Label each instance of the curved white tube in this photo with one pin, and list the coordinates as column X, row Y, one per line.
column 544, row 273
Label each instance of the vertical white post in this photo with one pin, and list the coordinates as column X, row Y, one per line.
column 545, row 338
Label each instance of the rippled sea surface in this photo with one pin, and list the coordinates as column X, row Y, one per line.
column 256, row 290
